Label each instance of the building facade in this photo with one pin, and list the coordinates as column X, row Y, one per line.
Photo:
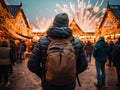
column 110, row 25
column 13, row 22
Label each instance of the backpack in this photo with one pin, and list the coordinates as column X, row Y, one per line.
column 61, row 62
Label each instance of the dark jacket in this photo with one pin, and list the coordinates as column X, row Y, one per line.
column 39, row 52
column 5, row 56
column 116, row 54
column 101, row 51
column 89, row 48
column 14, row 52
column 111, row 45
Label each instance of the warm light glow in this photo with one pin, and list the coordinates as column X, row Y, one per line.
column 37, row 30
column 36, row 38
column 42, row 25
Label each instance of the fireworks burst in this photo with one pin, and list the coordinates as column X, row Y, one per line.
column 85, row 15
column 42, row 24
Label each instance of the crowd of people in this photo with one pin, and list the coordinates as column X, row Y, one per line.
column 102, row 52
column 105, row 54
column 10, row 53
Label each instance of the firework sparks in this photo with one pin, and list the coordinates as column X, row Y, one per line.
column 42, row 24
column 85, row 15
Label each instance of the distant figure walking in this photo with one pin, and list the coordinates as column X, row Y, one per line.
column 100, row 53
column 6, row 57
column 116, row 59
column 89, row 50
column 23, row 49
column 14, row 51
column 111, row 45
column 19, row 55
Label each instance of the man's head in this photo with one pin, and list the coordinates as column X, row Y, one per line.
column 4, row 43
column 101, row 38
column 61, row 20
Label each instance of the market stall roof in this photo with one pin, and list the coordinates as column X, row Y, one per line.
column 15, row 9
column 15, row 35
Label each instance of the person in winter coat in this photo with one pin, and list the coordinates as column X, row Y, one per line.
column 19, row 52
column 6, row 56
column 116, row 59
column 89, row 50
column 14, row 50
column 24, row 47
column 111, row 45
column 59, row 30
column 100, row 53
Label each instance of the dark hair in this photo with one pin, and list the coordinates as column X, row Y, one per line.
column 4, row 44
column 12, row 42
column 101, row 38
column 119, row 39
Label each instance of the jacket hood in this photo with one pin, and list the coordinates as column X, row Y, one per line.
column 59, row 32
column 103, row 43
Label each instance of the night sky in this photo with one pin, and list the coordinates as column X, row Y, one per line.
column 46, row 8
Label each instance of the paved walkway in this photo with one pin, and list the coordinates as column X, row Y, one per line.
column 23, row 79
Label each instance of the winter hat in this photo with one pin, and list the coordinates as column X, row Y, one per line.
column 61, row 20
column 101, row 38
